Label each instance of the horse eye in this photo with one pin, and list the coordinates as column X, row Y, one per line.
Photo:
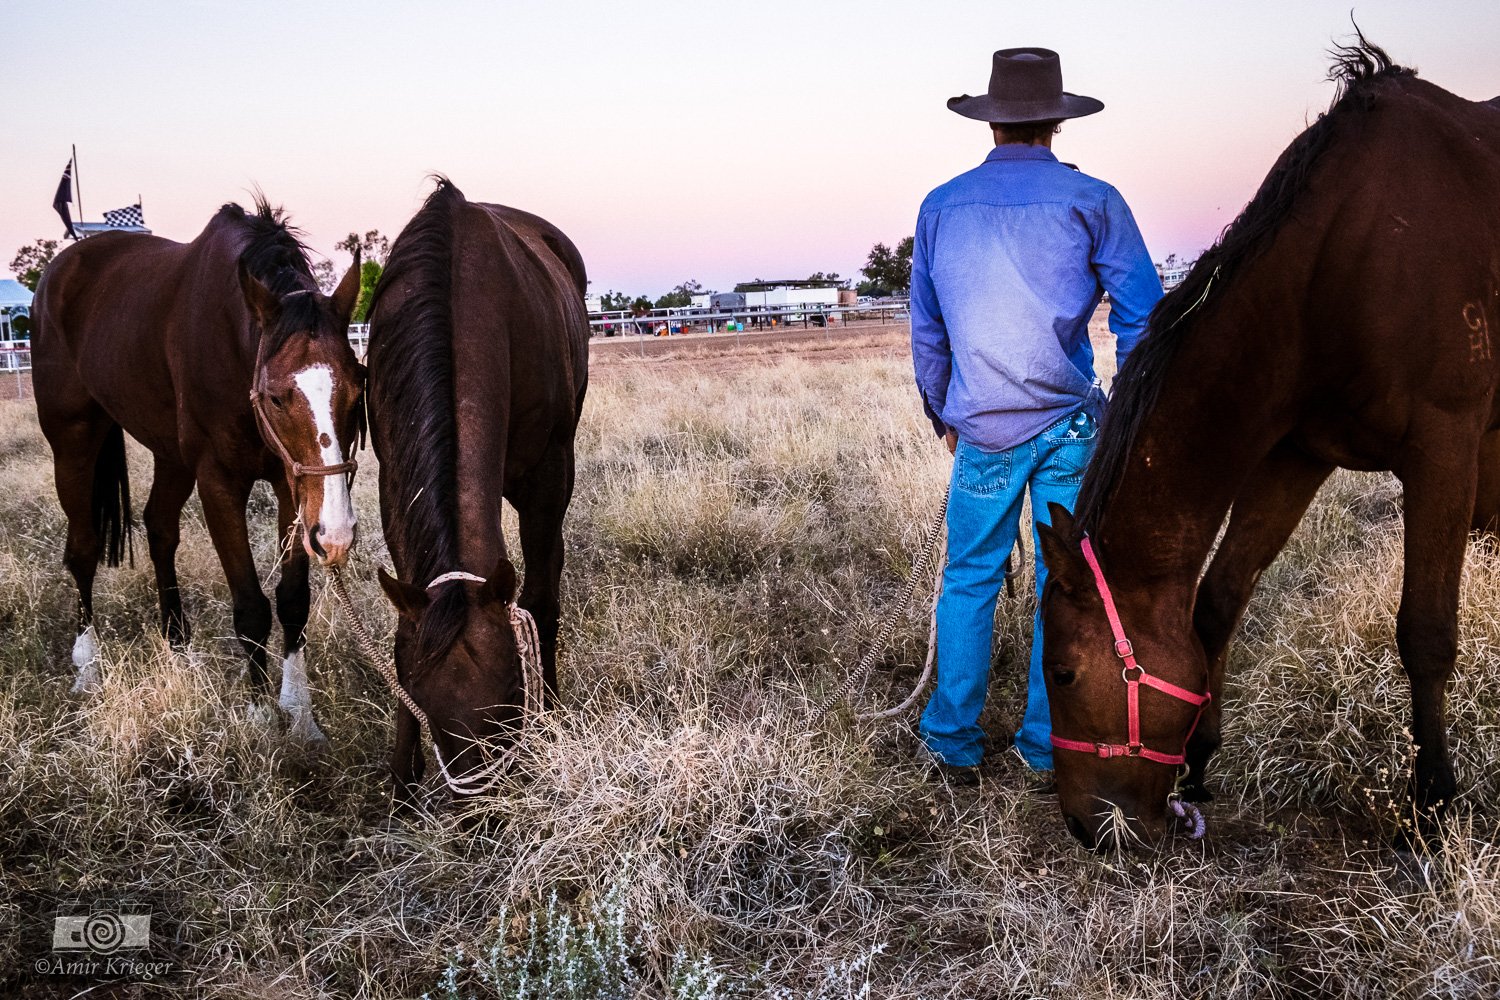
column 276, row 402
column 1063, row 677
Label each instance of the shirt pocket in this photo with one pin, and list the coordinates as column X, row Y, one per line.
column 982, row 473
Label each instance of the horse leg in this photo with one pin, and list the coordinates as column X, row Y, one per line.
column 171, row 485
column 1439, row 503
column 1263, row 517
column 541, row 501
column 1487, row 494
column 407, row 763
column 293, row 599
column 77, row 442
column 224, row 509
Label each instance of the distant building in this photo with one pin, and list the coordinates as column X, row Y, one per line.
column 778, row 294
column 1172, row 272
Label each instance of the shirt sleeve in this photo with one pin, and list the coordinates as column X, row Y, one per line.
column 931, row 355
column 1126, row 272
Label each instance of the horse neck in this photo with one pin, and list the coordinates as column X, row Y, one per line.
column 481, row 383
column 1223, row 404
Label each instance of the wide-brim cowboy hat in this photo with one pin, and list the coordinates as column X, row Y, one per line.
column 1025, row 86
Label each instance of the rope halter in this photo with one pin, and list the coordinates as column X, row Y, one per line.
column 295, row 470
column 528, row 649
column 1134, row 675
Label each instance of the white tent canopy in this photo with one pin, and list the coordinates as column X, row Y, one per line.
column 13, row 293
column 15, row 300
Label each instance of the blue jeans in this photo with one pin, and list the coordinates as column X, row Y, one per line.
column 984, row 515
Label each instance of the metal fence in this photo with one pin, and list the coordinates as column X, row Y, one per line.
column 660, row 322
column 15, row 355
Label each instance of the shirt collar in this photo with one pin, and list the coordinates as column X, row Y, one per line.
column 1017, row 151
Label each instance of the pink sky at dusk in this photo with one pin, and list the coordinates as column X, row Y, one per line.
column 670, row 140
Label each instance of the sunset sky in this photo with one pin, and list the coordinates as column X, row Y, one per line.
column 670, row 140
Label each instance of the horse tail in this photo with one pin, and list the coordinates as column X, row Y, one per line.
column 111, row 501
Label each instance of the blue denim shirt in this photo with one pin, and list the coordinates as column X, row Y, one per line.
column 1008, row 264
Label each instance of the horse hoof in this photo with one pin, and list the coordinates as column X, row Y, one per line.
column 304, row 730
column 259, row 716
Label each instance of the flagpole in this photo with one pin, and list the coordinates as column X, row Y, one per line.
column 77, row 182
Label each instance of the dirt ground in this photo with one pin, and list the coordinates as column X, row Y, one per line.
column 721, row 352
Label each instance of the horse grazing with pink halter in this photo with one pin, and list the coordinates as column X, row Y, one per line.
column 478, row 367
column 1344, row 319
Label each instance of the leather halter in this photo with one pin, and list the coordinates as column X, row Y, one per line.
column 295, row 470
column 1123, row 649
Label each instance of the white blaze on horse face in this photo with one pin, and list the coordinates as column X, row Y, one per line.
column 336, row 516
column 86, row 659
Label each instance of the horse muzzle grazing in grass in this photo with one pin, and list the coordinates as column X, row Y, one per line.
column 478, row 368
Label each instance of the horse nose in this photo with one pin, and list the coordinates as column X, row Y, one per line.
column 330, row 548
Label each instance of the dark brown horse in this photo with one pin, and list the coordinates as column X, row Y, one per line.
column 1342, row 320
column 168, row 342
column 478, row 366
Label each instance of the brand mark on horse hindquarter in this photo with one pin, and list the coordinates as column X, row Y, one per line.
column 1479, row 333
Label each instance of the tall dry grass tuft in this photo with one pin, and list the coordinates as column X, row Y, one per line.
column 676, row 830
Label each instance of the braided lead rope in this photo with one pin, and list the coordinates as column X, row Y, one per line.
column 861, row 673
column 528, row 646
column 928, row 667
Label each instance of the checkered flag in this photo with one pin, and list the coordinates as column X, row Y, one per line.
column 123, row 217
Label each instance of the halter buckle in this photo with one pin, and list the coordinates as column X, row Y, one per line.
column 1123, row 648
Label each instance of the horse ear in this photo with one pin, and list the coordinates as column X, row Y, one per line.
column 347, row 294
column 409, row 599
column 258, row 297
column 1064, row 560
column 501, row 585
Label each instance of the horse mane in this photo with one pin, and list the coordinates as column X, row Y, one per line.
column 418, row 331
column 274, row 254
column 1357, row 70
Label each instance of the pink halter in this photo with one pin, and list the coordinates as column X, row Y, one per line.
column 1126, row 652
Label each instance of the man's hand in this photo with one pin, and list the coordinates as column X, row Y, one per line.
column 952, row 439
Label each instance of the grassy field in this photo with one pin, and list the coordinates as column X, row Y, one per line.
column 741, row 525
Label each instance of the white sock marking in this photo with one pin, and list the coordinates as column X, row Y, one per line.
column 296, row 700
column 86, row 659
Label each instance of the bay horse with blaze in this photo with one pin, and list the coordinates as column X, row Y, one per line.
column 223, row 359
column 1344, row 319
column 478, row 368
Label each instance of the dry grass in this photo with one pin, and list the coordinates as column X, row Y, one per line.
column 675, row 830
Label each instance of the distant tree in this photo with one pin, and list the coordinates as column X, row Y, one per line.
column 372, row 246
column 831, row 277
column 640, row 302
column 326, row 276
column 887, row 271
column 369, row 277
column 680, row 296
column 30, row 261
column 612, row 300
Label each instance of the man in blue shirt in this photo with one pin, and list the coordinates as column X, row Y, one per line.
column 1009, row 262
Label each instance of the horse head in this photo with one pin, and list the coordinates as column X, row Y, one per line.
column 1126, row 685
column 457, row 656
column 308, row 397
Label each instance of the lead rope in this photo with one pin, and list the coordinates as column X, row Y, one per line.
column 861, row 673
column 528, row 647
